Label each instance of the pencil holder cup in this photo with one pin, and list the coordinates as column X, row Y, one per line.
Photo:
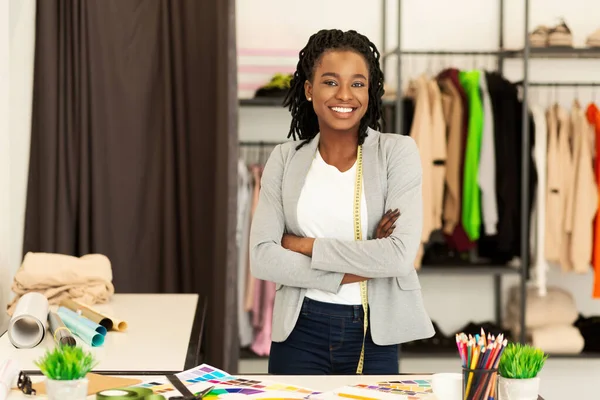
column 479, row 384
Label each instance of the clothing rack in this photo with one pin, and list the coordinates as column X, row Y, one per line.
column 497, row 272
column 501, row 53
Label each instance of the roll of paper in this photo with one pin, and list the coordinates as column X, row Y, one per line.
column 91, row 324
column 27, row 326
column 61, row 334
column 106, row 321
column 79, row 328
column 9, row 373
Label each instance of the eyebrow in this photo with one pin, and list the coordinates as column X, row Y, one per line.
column 333, row 74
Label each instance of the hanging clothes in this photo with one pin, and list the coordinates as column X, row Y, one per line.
column 541, row 145
column 458, row 239
column 486, row 177
column 471, row 212
column 584, row 195
column 242, row 239
column 251, row 281
column 453, row 114
column 421, row 132
column 565, row 147
column 593, row 116
column 554, row 190
column 438, row 152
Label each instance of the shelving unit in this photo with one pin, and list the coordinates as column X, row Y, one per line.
column 497, row 272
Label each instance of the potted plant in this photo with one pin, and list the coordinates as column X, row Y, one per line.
column 66, row 369
column 518, row 368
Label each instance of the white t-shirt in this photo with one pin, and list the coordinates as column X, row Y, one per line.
column 325, row 210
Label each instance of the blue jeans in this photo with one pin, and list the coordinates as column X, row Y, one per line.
column 327, row 340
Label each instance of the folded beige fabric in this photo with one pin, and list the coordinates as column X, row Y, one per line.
column 557, row 339
column 556, row 308
column 59, row 276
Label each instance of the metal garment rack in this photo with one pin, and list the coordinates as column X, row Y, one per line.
column 502, row 54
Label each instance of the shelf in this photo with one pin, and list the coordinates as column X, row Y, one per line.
column 262, row 102
column 555, row 52
column 468, row 269
column 534, row 52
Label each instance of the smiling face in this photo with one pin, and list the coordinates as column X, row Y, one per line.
column 339, row 90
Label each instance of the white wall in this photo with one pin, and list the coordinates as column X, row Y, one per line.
column 434, row 25
column 4, row 158
column 17, row 59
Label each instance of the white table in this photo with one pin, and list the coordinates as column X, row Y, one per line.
column 318, row 383
column 157, row 339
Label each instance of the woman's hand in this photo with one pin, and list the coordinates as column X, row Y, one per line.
column 387, row 224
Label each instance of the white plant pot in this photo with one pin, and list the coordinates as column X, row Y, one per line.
column 67, row 390
column 518, row 389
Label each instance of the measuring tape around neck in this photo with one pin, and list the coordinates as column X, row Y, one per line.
column 358, row 236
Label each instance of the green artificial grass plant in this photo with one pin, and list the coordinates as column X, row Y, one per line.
column 66, row 363
column 521, row 361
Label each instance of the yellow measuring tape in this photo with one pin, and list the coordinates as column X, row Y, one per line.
column 358, row 236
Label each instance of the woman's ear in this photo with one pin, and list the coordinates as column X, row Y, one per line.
column 308, row 90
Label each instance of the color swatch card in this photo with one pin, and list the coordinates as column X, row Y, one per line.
column 226, row 386
column 419, row 389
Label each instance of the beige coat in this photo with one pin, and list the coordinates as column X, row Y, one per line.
column 583, row 201
column 453, row 112
column 554, row 190
column 438, row 153
column 565, row 162
column 420, row 131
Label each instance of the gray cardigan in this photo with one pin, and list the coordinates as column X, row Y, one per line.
column 392, row 179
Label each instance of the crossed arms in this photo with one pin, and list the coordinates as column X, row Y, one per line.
column 324, row 263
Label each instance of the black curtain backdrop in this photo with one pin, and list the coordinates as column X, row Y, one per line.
column 134, row 147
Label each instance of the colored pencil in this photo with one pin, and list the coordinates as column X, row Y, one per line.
column 480, row 352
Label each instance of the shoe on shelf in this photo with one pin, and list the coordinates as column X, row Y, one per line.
column 276, row 87
column 594, row 39
column 539, row 36
column 560, row 36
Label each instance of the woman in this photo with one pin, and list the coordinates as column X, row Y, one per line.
column 321, row 231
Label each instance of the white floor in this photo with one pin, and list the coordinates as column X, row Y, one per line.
column 562, row 379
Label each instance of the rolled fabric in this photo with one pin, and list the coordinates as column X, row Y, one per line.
column 91, row 324
column 27, row 325
column 79, row 328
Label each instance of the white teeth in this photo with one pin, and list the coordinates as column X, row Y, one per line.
column 341, row 109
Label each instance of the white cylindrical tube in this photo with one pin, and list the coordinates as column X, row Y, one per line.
column 27, row 326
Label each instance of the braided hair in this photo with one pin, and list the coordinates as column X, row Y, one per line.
column 304, row 119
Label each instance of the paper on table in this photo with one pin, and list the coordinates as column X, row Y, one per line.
column 90, row 313
column 9, row 373
column 75, row 325
column 27, row 326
